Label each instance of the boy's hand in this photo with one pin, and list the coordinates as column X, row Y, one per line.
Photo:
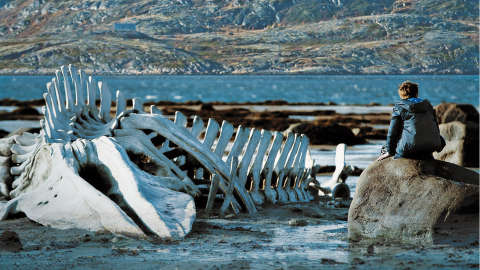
column 384, row 156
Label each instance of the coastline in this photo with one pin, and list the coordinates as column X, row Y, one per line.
column 282, row 236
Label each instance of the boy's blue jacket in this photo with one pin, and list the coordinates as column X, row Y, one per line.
column 413, row 129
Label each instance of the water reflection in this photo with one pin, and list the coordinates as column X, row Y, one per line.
column 358, row 155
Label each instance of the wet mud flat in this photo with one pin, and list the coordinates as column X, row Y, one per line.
column 309, row 235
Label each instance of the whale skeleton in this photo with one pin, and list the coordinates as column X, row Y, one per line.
column 138, row 173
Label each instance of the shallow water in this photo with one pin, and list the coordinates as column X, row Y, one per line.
column 359, row 156
column 340, row 89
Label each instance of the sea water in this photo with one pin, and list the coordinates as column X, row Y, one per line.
column 340, row 89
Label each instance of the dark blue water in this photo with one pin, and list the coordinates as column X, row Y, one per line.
column 291, row 88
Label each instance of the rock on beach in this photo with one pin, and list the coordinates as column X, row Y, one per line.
column 462, row 143
column 320, row 133
column 403, row 199
column 458, row 124
column 449, row 112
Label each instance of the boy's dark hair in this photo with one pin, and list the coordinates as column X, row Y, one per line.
column 408, row 90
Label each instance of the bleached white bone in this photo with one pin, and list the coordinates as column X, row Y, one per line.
column 293, row 170
column 279, row 169
column 137, row 105
column 121, row 103
column 20, row 149
column 211, row 133
column 254, row 171
column 91, row 92
column 148, row 201
column 252, row 143
column 54, row 121
column 70, row 104
column 303, row 188
column 184, row 139
column 106, row 102
column 138, row 135
column 135, row 139
column 63, row 196
column 54, row 101
column 211, row 195
column 80, row 101
column 299, row 166
column 58, row 92
column 26, row 139
column 83, row 83
column 5, row 160
column 57, row 131
column 240, row 139
column 199, row 173
column 155, row 110
column 287, row 173
column 197, row 126
column 231, row 185
column 336, row 186
column 225, row 135
column 5, row 145
column 180, row 119
column 268, row 168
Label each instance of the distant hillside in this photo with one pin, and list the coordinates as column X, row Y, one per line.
column 241, row 36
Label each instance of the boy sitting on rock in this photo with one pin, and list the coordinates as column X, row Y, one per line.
column 413, row 131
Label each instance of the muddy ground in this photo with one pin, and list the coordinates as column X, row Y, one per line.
column 292, row 236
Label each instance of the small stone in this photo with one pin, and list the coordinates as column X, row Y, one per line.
column 358, row 261
column 9, row 237
column 319, row 215
column 370, row 249
column 296, row 210
column 341, row 216
column 297, row 222
column 328, row 261
column 345, row 204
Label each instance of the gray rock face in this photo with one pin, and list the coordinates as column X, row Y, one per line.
column 449, row 112
column 403, row 199
column 459, row 128
column 462, row 143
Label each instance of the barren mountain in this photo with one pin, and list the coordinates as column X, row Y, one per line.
column 241, row 36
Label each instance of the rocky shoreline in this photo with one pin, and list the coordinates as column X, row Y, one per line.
column 336, row 127
column 282, row 236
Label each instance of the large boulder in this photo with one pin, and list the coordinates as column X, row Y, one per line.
column 403, row 199
column 326, row 133
column 449, row 112
column 462, row 143
column 25, row 111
